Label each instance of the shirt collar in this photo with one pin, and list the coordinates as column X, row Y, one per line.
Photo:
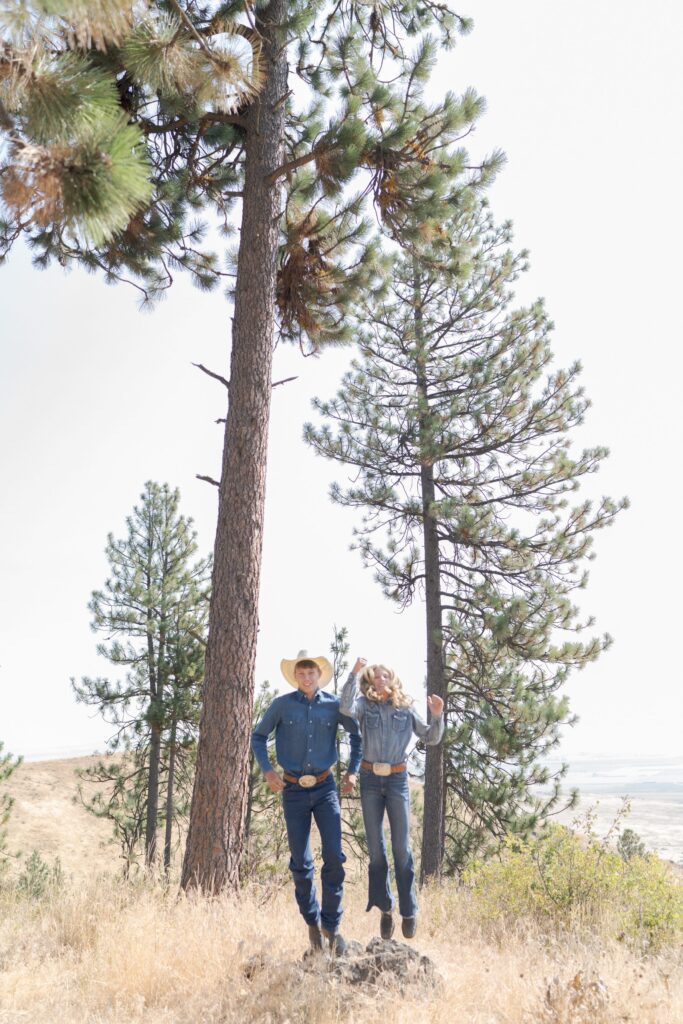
column 303, row 698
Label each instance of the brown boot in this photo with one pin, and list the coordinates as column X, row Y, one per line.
column 336, row 941
column 315, row 936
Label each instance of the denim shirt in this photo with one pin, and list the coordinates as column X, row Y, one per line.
column 386, row 730
column 305, row 734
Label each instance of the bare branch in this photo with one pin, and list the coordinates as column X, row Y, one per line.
column 210, row 373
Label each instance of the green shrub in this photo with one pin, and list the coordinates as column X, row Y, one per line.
column 8, row 764
column 630, row 845
column 37, row 878
column 563, row 878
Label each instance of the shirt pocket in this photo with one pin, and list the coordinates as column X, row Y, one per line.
column 295, row 721
column 296, row 727
column 372, row 719
column 325, row 726
column 400, row 721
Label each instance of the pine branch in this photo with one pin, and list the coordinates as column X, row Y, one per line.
column 214, row 117
column 189, row 25
column 291, row 165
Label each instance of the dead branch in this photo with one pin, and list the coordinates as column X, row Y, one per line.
column 210, row 373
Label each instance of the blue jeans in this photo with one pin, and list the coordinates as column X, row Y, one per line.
column 390, row 792
column 300, row 806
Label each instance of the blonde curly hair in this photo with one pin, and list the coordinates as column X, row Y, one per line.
column 396, row 695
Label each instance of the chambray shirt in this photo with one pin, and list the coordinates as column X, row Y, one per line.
column 305, row 734
column 386, row 730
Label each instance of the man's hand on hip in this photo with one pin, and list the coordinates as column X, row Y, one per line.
column 275, row 783
column 347, row 783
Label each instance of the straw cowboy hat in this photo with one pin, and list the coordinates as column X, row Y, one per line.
column 288, row 665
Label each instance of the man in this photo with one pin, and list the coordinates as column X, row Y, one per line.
column 305, row 724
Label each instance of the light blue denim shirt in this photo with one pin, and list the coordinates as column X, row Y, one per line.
column 386, row 730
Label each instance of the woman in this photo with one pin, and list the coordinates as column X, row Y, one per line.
column 387, row 722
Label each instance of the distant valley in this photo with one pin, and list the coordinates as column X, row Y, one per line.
column 654, row 786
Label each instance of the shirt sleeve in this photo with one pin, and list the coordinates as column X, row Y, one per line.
column 431, row 733
column 350, row 698
column 259, row 737
column 354, row 743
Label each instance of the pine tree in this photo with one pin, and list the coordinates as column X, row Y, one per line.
column 122, row 801
column 311, row 117
column 459, row 439
column 153, row 611
column 186, row 657
column 630, row 845
column 8, row 764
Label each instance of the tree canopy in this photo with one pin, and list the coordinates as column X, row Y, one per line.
column 459, row 435
column 135, row 131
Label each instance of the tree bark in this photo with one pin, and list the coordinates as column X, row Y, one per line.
column 154, row 668
column 168, row 835
column 153, row 795
column 433, row 828
column 216, row 832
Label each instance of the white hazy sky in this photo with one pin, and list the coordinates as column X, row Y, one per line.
column 95, row 398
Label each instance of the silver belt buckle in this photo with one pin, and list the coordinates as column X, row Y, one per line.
column 381, row 768
column 307, row 781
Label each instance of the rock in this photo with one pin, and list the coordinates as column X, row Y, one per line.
column 382, row 959
column 318, row 956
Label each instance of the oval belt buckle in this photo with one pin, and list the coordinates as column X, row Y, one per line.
column 381, row 768
column 307, row 781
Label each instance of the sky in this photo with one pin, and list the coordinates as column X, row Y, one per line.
column 96, row 397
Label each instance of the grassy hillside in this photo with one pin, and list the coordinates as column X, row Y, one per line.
column 46, row 818
column 102, row 952
column 91, row 949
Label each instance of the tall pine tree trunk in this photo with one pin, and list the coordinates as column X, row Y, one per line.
column 168, row 835
column 153, row 792
column 434, row 783
column 216, row 832
column 156, row 694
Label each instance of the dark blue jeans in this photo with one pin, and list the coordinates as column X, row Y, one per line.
column 300, row 806
column 377, row 794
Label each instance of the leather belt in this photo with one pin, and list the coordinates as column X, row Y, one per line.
column 379, row 768
column 306, row 780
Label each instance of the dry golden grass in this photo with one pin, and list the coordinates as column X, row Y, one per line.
column 100, row 951
column 45, row 817
column 103, row 951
